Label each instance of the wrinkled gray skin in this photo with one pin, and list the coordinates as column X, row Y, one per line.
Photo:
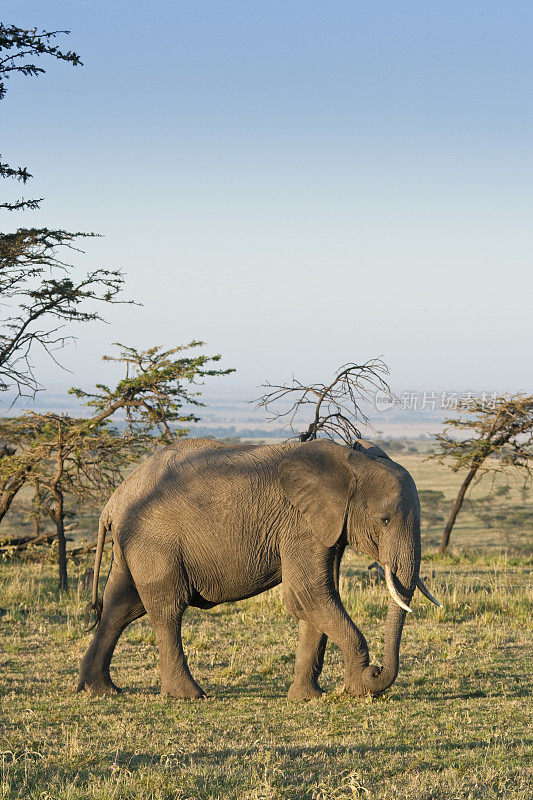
column 201, row 523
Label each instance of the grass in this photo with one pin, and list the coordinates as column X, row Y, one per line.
column 456, row 724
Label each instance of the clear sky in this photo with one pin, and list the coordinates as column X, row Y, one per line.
column 298, row 183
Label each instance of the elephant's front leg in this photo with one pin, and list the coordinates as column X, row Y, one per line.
column 321, row 608
column 312, row 595
column 309, row 662
column 311, row 648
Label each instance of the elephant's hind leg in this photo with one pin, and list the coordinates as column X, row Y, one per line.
column 309, row 662
column 121, row 605
column 176, row 679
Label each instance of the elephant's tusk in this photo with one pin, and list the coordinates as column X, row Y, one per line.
column 425, row 591
column 393, row 591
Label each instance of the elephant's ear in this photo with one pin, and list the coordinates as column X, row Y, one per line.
column 369, row 449
column 316, row 480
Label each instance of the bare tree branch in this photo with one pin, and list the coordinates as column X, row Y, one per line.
column 336, row 406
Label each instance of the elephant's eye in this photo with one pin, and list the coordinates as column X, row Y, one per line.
column 386, row 519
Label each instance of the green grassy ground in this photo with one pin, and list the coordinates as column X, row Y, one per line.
column 456, row 724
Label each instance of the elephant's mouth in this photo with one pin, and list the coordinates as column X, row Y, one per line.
column 389, row 577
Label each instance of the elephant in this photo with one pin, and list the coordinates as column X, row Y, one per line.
column 201, row 523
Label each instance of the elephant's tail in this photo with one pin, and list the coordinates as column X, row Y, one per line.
column 94, row 608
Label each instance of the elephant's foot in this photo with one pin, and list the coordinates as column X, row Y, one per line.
column 353, row 684
column 97, row 686
column 355, row 689
column 183, row 690
column 304, row 690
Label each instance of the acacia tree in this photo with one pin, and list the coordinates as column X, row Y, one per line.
column 17, row 45
column 39, row 296
column 335, row 408
column 498, row 439
column 154, row 389
column 82, row 459
column 16, row 462
column 39, row 293
column 70, row 457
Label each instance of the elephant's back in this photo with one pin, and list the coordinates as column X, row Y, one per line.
column 144, row 479
column 191, row 471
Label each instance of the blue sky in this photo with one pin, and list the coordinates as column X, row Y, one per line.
column 300, row 184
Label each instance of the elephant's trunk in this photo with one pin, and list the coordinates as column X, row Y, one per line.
column 375, row 679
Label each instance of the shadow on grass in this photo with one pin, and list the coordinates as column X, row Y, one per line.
column 256, row 688
column 247, row 691
column 287, row 754
column 292, row 762
column 502, row 689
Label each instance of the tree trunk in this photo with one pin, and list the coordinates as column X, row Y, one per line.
column 11, row 486
column 8, row 495
column 61, row 540
column 456, row 508
column 36, row 508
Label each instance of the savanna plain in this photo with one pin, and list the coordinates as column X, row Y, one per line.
column 456, row 724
